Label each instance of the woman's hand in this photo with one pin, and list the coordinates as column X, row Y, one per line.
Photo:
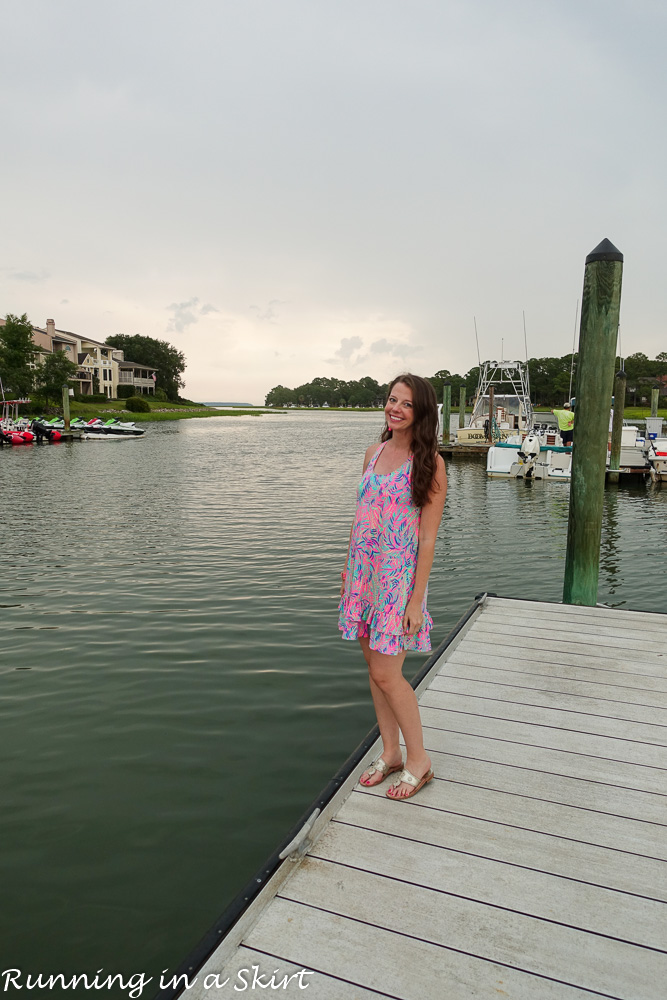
column 413, row 619
column 342, row 585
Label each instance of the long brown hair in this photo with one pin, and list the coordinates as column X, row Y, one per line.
column 424, row 434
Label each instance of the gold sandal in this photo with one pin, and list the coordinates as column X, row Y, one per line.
column 379, row 766
column 409, row 779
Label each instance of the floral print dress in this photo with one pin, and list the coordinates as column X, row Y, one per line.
column 382, row 561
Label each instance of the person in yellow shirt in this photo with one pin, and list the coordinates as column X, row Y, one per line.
column 565, row 418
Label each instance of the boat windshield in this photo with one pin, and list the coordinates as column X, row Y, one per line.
column 511, row 404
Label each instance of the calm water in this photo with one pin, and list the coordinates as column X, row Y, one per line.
column 173, row 691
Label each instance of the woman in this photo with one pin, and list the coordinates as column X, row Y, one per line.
column 383, row 595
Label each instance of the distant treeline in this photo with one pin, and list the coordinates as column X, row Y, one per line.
column 549, row 384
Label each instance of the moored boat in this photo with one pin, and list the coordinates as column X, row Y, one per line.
column 512, row 410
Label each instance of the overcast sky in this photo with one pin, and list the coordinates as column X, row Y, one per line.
column 292, row 188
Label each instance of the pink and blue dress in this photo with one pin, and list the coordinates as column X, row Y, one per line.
column 382, row 562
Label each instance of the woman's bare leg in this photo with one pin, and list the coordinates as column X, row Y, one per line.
column 401, row 701
column 391, row 750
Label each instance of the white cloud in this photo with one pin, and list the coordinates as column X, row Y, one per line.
column 32, row 277
column 186, row 314
column 346, row 349
column 268, row 313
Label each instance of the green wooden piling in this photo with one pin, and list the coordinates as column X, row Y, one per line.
column 595, row 374
column 617, row 427
column 655, row 396
column 446, row 411
column 66, row 406
column 462, row 406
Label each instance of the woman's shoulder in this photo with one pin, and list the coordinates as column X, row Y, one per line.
column 370, row 451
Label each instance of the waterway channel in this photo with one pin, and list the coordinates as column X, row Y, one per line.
column 173, row 689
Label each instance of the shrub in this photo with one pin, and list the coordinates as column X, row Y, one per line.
column 137, row 405
column 125, row 391
column 161, row 395
column 96, row 397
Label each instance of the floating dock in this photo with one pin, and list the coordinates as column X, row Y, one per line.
column 534, row 866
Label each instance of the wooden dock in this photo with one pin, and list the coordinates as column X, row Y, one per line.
column 534, row 866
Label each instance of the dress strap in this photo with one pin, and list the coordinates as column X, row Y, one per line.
column 371, row 464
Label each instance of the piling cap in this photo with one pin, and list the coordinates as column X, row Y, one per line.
column 604, row 251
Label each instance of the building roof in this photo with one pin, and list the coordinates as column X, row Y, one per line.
column 134, row 364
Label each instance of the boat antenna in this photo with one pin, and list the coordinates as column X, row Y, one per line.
column 574, row 342
column 479, row 360
column 525, row 344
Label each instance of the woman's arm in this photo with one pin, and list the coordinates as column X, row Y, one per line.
column 367, row 458
column 429, row 523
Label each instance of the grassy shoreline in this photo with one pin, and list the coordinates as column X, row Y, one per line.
column 179, row 411
column 159, row 411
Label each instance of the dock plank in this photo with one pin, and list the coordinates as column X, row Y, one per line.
column 241, row 975
column 542, row 735
column 623, row 672
column 573, row 612
column 561, row 900
column 584, row 793
column 541, row 816
column 409, row 968
column 511, row 844
column 564, row 762
column 634, row 631
column 545, row 680
column 616, row 656
column 597, row 639
column 555, row 951
column 565, row 720
column 569, row 701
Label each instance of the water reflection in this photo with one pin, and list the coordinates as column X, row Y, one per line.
column 610, row 575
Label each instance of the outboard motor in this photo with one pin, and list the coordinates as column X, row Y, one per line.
column 43, row 433
column 528, row 452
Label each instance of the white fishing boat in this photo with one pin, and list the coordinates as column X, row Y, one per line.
column 512, row 409
column 540, row 454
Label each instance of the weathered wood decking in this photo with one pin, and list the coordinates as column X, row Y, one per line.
column 533, row 867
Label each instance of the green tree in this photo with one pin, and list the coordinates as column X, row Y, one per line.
column 53, row 374
column 17, row 355
column 169, row 361
column 279, row 396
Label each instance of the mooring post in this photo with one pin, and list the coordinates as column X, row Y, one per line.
column 489, row 435
column 598, row 333
column 617, row 427
column 66, row 405
column 655, row 396
column 446, row 411
column 462, row 406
